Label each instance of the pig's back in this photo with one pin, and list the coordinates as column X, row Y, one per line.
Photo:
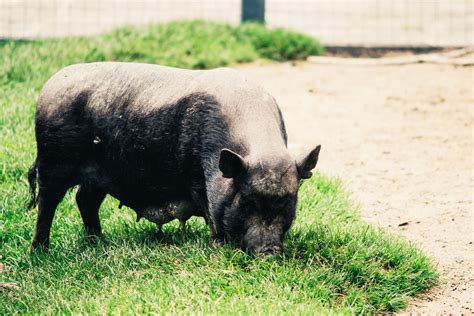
column 107, row 88
column 147, row 86
column 109, row 85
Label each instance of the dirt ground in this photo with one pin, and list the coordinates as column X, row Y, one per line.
column 401, row 138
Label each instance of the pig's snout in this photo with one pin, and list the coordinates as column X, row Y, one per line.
column 263, row 239
column 270, row 251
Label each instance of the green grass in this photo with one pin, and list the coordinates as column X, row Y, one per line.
column 333, row 261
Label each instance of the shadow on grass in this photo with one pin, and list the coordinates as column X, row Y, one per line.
column 174, row 236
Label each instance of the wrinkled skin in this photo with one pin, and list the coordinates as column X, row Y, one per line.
column 169, row 143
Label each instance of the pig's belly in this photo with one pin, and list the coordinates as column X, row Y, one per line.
column 138, row 193
column 157, row 215
column 181, row 210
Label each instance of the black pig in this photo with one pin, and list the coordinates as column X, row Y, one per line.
column 152, row 136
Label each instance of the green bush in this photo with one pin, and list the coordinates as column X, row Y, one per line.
column 279, row 44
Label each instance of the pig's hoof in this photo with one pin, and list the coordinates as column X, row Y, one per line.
column 94, row 239
column 183, row 226
column 38, row 247
column 217, row 242
column 159, row 230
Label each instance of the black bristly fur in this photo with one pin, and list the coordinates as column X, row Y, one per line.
column 141, row 160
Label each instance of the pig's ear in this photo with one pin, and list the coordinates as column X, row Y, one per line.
column 231, row 164
column 307, row 163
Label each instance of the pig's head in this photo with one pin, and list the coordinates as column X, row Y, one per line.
column 263, row 205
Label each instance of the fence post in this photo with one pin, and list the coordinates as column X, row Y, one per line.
column 253, row 11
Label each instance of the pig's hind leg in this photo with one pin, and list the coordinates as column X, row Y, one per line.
column 88, row 200
column 54, row 180
column 48, row 200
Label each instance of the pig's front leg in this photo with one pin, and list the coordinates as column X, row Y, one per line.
column 220, row 193
column 201, row 201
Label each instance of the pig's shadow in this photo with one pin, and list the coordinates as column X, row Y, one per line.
column 176, row 236
column 301, row 244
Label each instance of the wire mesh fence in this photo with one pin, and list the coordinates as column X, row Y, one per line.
column 378, row 22
column 334, row 22
column 56, row 18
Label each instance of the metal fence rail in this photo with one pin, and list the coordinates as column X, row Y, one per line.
column 334, row 22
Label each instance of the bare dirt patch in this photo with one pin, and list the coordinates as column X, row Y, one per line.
column 401, row 138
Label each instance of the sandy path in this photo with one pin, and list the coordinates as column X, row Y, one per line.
column 401, row 139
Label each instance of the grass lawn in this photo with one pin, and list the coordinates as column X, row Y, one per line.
column 332, row 262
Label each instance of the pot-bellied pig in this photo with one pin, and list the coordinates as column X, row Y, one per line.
column 154, row 136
